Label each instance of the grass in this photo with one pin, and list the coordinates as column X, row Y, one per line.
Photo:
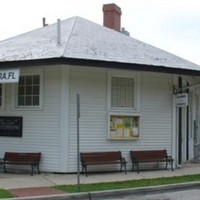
column 128, row 184
column 5, row 194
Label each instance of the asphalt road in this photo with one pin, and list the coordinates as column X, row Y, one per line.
column 193, row 194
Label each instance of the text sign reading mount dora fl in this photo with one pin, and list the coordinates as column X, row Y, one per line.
column 9, row 76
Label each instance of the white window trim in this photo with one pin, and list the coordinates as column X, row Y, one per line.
column 26, row 72
column 124, row 74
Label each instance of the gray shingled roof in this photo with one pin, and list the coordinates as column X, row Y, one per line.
column 82, row 39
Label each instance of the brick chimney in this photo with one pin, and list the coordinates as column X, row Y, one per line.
column 112, row 16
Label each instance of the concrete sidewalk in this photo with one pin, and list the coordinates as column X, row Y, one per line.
column 13, row 180
column 23, row 185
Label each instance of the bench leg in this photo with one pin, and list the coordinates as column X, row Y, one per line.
column 137, row 165
column 172, row 162
column 84, row 169
column 123, row 165
column 4, row 167
column 32, row 169
column 166, row 165
column 133, row 166
column 125, row 168
column 86, row 174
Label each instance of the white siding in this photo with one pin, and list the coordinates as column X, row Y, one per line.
column 44, row 130
column 156, row 113
column 156, row 110
column 41, row 128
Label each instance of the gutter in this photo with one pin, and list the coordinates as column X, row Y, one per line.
column 97, row 63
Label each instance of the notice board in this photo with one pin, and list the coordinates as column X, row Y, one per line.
column 124, row 126
column 11, row 126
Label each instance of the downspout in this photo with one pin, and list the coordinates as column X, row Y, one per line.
column 187, row 127
column 174, row 126
column 180, row 127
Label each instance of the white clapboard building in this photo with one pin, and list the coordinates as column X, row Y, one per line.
column 133, row 96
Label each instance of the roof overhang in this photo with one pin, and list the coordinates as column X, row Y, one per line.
column 97, row 63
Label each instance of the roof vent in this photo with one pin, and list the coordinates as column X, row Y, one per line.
column 44, row 22
column 112, row 16
column 58, row 32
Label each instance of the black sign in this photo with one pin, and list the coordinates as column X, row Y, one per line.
column 11, row 126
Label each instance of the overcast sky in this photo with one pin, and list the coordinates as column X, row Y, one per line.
column 172, row 25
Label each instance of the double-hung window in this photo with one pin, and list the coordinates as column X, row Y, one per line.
column 29, row 89
column 123, row 91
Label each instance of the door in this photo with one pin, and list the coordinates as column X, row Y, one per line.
column 185, row 129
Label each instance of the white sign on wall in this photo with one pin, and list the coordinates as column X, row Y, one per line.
column 182, row 100
column 9, row 76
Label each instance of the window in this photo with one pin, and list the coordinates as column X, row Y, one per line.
column 29, row 89
column 123, row 91
column 2, row 96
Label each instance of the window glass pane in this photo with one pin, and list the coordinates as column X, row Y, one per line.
column 29, row 80
column 36, row 90
column 122, row 82
column 36, row 80
column 28, row 100
column 36, row 100
column 21, row 90
column 28, row 90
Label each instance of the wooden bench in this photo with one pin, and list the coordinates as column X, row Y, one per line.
column 101, row 158
column 14, row 158
column 150, row 156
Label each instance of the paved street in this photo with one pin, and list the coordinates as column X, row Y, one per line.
column 193, row 194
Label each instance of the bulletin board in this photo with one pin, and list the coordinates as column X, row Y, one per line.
column 124, row 126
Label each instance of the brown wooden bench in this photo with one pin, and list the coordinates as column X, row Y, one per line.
column 101, row 158
column 150, row 156
column 15, row 158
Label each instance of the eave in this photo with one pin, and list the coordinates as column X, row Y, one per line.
column 96, row 63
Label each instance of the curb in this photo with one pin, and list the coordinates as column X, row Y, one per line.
column 115, row 193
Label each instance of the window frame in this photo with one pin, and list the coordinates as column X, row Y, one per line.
column 124, row 74
column 30, row 72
